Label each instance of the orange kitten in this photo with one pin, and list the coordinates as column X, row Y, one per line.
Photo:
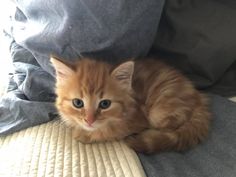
column 149, row 104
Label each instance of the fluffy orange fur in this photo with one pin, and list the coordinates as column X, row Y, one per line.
column 152, row 106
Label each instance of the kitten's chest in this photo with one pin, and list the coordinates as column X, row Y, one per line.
column 110, row 132
column 114, row 131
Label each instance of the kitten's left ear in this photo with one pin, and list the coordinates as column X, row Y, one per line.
column 123, row 74
column 62, row 70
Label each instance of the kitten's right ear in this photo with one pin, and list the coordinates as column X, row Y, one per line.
column 62, row 70
column 123, row 74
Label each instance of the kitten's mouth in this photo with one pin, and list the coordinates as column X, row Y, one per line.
column 89, row 127
column 89, row 124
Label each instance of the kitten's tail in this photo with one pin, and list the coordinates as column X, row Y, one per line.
column 191, row 133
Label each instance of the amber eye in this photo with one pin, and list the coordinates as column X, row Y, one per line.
column 78, row 103
column 104, row 104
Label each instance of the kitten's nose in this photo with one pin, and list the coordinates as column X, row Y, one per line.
column 89, row 121
column 90, row 118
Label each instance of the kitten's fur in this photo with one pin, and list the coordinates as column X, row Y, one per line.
column 153, row 106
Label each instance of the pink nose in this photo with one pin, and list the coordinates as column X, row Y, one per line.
column 89, row 121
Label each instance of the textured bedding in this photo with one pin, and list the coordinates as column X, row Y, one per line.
column 49, row 150
column 196, row 37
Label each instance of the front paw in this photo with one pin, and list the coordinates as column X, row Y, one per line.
column 81, row 137
column 84, row 140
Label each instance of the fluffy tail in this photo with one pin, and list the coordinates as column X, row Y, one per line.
column 191, row 133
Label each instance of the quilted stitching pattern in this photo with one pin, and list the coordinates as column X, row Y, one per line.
column 49, row 150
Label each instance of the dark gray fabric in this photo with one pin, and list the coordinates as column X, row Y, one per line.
column 30, row 96
column 113, row 30
column 216, row 157
column 108, row 29
column 198, row 36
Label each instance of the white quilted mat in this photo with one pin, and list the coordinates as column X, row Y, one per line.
column 49, row 150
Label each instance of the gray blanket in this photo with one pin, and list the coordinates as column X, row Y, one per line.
column 216, row 157
column 115, row 30
column 107, row 29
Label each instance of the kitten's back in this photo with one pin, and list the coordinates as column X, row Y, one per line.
column 178, row 114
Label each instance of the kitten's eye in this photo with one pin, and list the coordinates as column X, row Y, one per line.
column 104, row 104
column 78, row 103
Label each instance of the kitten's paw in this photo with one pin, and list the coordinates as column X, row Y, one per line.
column 82, row 138
column 135, row 142
column 85, row 141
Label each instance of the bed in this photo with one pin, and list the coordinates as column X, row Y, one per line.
column 197, row 37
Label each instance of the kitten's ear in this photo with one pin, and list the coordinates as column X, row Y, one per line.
column 62, row 70
column 123, row 74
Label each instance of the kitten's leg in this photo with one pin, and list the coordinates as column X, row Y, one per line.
column 81, row 136
column 152, row 140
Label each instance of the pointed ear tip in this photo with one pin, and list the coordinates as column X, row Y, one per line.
column 54, row 62
column 129, row 63
column 52, row 57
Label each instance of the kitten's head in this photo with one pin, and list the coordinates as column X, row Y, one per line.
column 92, row 94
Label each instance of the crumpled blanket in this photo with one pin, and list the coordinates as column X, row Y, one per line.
column 107, row 29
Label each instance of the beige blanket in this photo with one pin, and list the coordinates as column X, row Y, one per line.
column 49, row 150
